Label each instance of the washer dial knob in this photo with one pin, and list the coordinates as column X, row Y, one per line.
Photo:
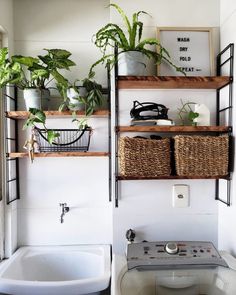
column 171, row 248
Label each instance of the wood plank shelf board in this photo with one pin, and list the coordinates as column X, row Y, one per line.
column 177, row 129
column 59, row 154
column 21, row 115
column 170, row 177
column 172, row 82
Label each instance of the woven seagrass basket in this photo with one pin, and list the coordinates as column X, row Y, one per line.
column 144, row 157
column 201, row 155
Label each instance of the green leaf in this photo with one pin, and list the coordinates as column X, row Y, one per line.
column 192, row 115
column 3, row 54
column 52, row 135
column 60, row 79
column 40, row 73
column 125, row 18
column 37, row 115
column 25, row 60
column 59, row 53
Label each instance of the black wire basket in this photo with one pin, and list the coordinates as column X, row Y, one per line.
column 69, row 140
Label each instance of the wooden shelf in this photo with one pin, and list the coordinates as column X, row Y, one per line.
column 59, row 154
column 177, row 129
column 171, row 177
column 21, row 115
column 172, row 82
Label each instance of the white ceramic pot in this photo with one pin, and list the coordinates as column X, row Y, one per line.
column 36, row 98
column 131, row 63
column 73, row 96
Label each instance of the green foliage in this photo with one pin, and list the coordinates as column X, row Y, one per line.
column 93, row 98
column 112, row 34
column 30, row 72
column 37, row 117
column 186, row 114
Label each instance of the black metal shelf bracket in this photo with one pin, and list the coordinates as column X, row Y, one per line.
column 225, row 64
column 12, row 183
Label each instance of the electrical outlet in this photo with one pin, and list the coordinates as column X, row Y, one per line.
column 180, row 197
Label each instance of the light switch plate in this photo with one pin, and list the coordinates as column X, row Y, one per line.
column 180, row 197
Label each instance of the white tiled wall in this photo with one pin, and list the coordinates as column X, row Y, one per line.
column 227, row 216
column 82, row 183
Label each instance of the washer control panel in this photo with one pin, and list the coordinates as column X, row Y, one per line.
column 173, row 254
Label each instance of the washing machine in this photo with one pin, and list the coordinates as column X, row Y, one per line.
column 173, row 268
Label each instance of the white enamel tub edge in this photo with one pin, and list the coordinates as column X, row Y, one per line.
column 56, row 270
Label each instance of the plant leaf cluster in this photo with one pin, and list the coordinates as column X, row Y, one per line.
column 112, row 35
column 36, row 117
column 186, row 113
column 29, row 72
column 91, row 100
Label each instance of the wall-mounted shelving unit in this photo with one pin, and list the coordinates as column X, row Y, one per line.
column 12, row 116
column 172, row 82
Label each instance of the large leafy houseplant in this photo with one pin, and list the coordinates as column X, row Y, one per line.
column 128, row 39
column 34, row 72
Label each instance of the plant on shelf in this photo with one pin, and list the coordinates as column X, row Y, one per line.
column 37, row 117
column 186, row 114
column 131, row 46
column 34, row 74
column 88, row 97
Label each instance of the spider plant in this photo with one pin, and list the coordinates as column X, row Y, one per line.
column 130, row 39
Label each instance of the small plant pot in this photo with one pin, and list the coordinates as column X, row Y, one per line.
column 73, row 96
column 131, row 63
column 36, row 98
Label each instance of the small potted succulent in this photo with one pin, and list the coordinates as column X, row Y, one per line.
column 33, row 74
column 132, row 49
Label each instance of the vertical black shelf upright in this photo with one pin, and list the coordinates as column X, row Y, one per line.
column 11, row 165
column 227, row 62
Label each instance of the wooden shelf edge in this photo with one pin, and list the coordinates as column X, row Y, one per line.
column 59, row 154
column 171, row 177
column 173, row 129
column 173, row 82
column 21, row 115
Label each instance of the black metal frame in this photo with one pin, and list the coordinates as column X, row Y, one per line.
column 219, row 111
column 109, row 133
column 116, row 135
column 11, row 137
column 220, row 64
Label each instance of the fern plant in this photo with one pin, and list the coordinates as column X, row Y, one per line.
column 112, row 35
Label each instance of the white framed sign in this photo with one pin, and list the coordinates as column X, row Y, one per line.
column 189, row 48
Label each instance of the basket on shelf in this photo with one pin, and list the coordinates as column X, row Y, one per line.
column 140, row 157
column 201, row 155
column 68, row 141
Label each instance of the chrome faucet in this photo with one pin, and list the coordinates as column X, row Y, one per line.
column 64, row 210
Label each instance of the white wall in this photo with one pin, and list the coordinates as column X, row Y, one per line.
column 146, row 206
column 80, row 182
column 227, row 216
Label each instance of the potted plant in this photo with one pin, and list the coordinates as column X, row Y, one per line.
column 88, row 96
column 33, row 75
column 132, row 49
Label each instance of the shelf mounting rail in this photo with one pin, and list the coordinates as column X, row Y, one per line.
column 225, row 64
